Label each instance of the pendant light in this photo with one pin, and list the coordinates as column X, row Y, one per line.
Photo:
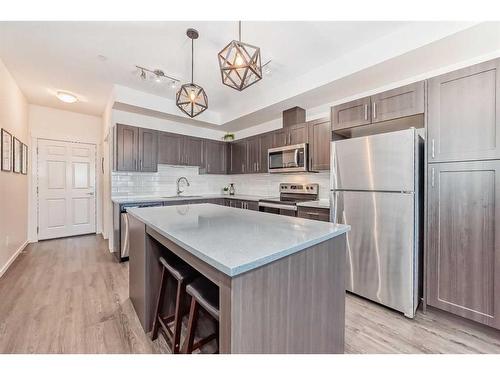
column 240, row 64
column 191, row 98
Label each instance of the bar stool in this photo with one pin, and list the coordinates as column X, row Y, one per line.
column 183, row 274
column 204, row 294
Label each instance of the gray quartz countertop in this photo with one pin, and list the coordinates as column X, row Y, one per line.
column 234, row 240
column 145, row 199
column 322, row 203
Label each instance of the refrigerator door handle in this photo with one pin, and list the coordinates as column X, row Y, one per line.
column 333, row 206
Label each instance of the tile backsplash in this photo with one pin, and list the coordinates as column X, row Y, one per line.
column 163, row 183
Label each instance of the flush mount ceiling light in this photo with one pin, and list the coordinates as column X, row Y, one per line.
column 156, row 75
column 240, row 64
column 191, row 98
column 66, row 97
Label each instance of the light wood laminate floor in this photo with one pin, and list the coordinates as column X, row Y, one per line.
column 71, row 296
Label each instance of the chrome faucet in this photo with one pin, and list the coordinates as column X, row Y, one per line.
column 179, row 191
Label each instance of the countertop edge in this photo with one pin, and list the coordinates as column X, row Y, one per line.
column 238, row 270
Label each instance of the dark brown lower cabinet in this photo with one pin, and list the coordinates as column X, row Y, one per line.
column 463, row 245
column 321, row 214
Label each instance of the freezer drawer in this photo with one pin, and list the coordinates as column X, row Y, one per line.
column 381, row 259
column 381, row 162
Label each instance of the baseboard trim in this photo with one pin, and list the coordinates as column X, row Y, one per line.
column 13, row 258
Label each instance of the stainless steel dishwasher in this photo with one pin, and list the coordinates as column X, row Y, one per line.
column 122, row 255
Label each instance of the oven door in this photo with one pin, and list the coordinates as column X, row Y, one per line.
column 288, row 159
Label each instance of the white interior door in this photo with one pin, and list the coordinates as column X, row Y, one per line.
column 66, row 189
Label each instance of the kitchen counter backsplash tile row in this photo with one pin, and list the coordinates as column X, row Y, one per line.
column 163, row 183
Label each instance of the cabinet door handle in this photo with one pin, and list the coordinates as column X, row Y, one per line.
column 366, row 112
column 135, row 164
column 374, row 109
column 141, row 165
column 432, row 148
column 432, row 177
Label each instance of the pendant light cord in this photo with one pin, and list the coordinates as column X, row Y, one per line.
column 192, row 60
column 239, row 30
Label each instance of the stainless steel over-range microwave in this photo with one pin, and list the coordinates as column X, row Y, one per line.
column 288, row 158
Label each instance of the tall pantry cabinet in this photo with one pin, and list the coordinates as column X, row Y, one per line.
column 463, row 193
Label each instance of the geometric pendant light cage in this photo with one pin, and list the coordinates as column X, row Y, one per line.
column 191, row 98
column 240, row 64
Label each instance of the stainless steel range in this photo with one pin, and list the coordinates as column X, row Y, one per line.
column 290, row 195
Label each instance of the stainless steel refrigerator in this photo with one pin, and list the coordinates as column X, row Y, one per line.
column 376, row 187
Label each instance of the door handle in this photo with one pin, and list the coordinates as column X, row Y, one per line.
column 366, row 112
column 374, row 109
column 432, row 148
column 432, row 177
column 91, row 193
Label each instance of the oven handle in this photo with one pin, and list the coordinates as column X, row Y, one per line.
column 280, row 206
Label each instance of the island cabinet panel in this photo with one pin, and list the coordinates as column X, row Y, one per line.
column 148, row 150
column 169, row 148
column 348, row 115
column 463, row 259
column 464, row 114
column 400, row 102
column 138, row 282
column 320, row 134
column 126, row 148
column 301, row 304
column 215, row 157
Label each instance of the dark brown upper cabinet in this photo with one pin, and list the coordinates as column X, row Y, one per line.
column 320, row 133
column 191, row 151
column 464, row 114
column 352, row 114
column 463, row 240
column 403, row 101
column 215, row 157
column 126, row 148
column 400, row 102
column 169, row 148
column 291, row 135
column 136, row 149
column 238, row 155
column 148, row 150
column 253, row 155
column 266, row 142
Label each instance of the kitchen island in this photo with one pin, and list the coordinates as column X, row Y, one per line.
column 281, row 279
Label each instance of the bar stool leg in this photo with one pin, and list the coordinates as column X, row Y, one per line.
column 193, row 320
column 181, row 290
column 159, row 303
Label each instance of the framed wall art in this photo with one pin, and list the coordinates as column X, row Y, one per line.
column 17, row 159
column 6, row 151
column 24, row 166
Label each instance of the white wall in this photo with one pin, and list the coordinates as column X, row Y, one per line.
column 51, row 123
column 13, row 186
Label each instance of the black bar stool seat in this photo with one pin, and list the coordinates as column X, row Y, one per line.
column 183, row 274
column 204, row 294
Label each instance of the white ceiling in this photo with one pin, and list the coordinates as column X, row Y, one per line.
column 45, row 57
